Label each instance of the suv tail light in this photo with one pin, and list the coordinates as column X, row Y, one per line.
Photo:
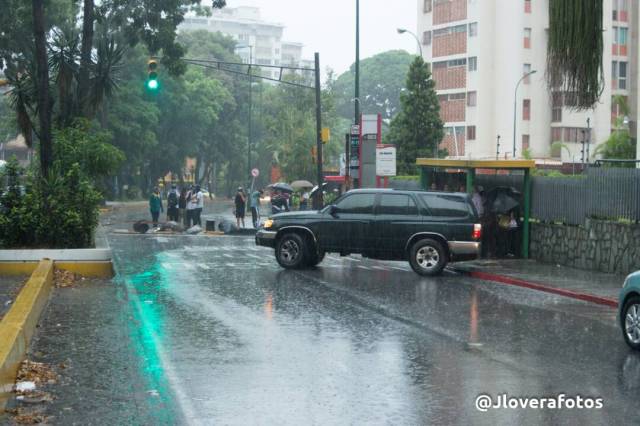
column 477, row 231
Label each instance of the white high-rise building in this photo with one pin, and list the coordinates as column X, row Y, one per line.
column 255, row 37
column 479, row 50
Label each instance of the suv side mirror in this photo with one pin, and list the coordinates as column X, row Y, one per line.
column 333, row 210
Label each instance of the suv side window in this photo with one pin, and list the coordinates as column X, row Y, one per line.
column 356, row 204
column 446, row 205
column 397, row 204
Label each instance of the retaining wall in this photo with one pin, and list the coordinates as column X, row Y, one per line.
column 598, row 245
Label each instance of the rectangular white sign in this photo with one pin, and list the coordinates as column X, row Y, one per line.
column 386, row 161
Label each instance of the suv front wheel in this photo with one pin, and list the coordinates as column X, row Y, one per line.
column 427, row 257
column 290, row 251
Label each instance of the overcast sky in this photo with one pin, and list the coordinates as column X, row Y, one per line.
column 328, row 26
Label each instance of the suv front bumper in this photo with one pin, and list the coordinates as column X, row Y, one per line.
column 266, row 238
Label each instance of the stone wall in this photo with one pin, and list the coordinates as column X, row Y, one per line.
column 599, row 245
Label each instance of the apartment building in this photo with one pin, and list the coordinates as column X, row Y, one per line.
column 480, row 50
column 246, row 26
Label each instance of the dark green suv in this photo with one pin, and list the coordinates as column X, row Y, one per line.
column 428, row 229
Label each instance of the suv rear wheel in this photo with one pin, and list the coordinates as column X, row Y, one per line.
column 630, row 319
column 427, row 257
column 290, row 251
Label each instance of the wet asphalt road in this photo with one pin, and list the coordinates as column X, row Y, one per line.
column 223, row 335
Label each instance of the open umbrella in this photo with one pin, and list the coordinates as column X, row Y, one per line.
column 281, row 186
column 315, row 189
column 502, row 199
column 301, row 184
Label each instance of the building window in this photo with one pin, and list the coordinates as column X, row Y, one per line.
column 619, row 10
column 428, row 6
column 556, row 134
column 471, row 133
column 473, row 63
column 525, row 142
column 614, row 74
column 426, row 38
column 473, row 29
column 622, row 36
column 526, row 69
column 556, row 107
column 457, row 63
column 472, row 99
column 450, row 30
column 527, row 6
column 526, row 109
column 622, row 75
column 457, row 96
column 527, row 38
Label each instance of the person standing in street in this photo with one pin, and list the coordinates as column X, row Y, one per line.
column 198, row 198
column 240, row 202
column 255, row 207
column 155, row 206
column 182, row 204
column 304, row 200
column 190, row 207
column 173, row 200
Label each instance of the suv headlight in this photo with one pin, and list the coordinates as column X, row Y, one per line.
column 268, row 223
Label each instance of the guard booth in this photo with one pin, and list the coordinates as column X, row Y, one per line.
column 471, row 168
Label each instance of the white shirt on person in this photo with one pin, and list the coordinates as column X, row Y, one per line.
column 199, row 200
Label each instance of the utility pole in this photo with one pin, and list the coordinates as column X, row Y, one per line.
column 588, row 138
column 515, row 109
column 318, row 200
column 498, row 148
column 357, row 79
column 250, row 108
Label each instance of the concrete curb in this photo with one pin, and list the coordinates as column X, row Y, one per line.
column 18, row 325
column 586, row 297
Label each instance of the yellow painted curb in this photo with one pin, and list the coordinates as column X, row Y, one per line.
column 18, row 325
column 17, row 268
column 88, row 269
column 100, row 269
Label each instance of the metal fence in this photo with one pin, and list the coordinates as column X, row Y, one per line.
column 605, row 193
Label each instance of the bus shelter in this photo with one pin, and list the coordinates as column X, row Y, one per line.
column 472, row 167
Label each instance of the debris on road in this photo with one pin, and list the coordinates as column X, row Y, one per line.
column 64, row 278
column 36, row 372
column 26, row 386
column 28, row 417
column 195, row 229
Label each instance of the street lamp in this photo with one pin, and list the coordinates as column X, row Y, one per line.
column 402, row 31
column 515, row 108
column 244, row 46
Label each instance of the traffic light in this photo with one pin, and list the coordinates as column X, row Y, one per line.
column 152, row 74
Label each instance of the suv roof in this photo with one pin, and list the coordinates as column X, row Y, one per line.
column 403, row 191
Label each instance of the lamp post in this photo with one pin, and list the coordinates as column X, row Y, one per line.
column 403, row 30
column 515, row 109
column 244, row 46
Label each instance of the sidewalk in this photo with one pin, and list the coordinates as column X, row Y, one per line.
column 589, row 286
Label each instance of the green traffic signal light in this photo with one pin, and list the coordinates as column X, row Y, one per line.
column 152, row 72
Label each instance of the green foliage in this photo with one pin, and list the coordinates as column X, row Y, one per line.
column 417, row 129
column 382, row 78
column 89, row 149
column 574, row 49
column 620, row 145
column 60, row 211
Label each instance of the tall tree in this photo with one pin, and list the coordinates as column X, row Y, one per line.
column 382, row 78
column 42, row 78
column 417, row 129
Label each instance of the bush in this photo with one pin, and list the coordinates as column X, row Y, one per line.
column 60, row 211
